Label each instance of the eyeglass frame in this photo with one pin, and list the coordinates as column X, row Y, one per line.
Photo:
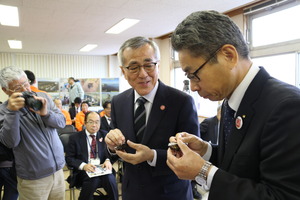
column 143, row 65
column 19, row 87
column 93, row 122
column 201, row 66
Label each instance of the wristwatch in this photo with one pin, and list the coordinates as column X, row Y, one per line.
column 201, row 178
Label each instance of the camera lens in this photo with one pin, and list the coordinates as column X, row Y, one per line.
column 31, row 102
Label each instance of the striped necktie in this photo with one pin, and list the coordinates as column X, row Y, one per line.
column 140, row 119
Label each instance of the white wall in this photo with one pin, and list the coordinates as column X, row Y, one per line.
column 57, row 66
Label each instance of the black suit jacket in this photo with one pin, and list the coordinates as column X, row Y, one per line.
column 209, row 129
column 72, row 112
column 172, row 111
column 77, row 152
column 263, row 156
column 104, row 124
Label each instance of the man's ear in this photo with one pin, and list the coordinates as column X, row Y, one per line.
column 123, row 72
column 5, row 91
column 230, row 54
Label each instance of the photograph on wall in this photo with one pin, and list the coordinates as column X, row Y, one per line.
column 109, row 88
column 107, row 96
column 63, row 90
column 90, row 84
column 93, row 98
column 110, row 84
column 49, row 85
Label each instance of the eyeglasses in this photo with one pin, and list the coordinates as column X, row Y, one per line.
column 93, row 122
column 135, row 68
column 193, row 76
column 19, row 88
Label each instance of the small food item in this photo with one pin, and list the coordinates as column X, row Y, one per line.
column 174, row 146
column 121, row 147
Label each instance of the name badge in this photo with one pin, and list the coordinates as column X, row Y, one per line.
column 95, row 161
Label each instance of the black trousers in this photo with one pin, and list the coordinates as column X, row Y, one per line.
column 89, row 186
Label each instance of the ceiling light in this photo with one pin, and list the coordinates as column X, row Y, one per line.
column 9, row 15
column 88, row 47
column 122, row 26
column 15, row 44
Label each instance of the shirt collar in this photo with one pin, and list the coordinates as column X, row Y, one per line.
column 150, row 96
column 88, row 133
column 239, row 92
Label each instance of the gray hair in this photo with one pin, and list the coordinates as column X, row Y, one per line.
column 135, row 43
column 203, row 32
column 9, row 74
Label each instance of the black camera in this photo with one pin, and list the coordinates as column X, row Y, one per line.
column 31, row 102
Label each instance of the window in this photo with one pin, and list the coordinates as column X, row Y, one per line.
column 274, row 36
column 275, row 27
column 282, row 67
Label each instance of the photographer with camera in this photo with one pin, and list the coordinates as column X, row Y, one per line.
column 28, row 123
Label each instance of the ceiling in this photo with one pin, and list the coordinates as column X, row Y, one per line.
column 65, row 26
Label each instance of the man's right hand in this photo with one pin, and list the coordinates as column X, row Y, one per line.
column 89, row 168
column 15, row 101
column 194, row 143
column 114, row 138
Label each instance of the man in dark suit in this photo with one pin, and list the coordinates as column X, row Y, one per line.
column 167, row 111
column 258, row 156
column 209, row 128
column 75, row 109
column 82, row 157
column 106, row 119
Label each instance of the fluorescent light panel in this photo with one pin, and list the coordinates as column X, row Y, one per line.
column 9, row 15
column 88, row 47
column 15, row 44
column 122, row 26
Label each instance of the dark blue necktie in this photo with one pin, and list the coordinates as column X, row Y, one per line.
column 228, row 122
column 140, row 119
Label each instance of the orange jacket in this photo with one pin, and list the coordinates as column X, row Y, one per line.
column 67, row 116
column 35, row 89
column 79, row 121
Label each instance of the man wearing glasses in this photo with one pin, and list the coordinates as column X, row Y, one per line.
column 258, row 154
column 38, row 152
column 144, row 117
column 85, row 151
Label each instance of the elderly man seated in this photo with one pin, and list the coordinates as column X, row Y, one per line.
column 86, row 149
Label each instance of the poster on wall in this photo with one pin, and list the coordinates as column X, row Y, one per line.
column 96, row 90
column 91, row 88
column 51, row 86
column 109, row 88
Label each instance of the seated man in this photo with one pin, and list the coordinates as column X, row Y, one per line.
column 79, row 121
column 81, row 156
column 64, row 112
column 75, row 109
column 105, row 120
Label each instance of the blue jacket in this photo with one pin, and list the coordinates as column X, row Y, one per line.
column 36, row 146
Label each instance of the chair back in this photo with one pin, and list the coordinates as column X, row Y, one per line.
column 66, row 129
column 64, row 138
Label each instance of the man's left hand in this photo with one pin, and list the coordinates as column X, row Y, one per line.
column 43, row 111
column 143, row 153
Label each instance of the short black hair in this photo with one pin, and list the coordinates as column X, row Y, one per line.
column 77, row 100
column 105, row 104
column 30, row 76
column 88, row 113
column 86, row 102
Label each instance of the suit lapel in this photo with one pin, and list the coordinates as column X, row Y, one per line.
column 83, row 144
column 245, row 113
column 156, row 113
column 128, row 105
